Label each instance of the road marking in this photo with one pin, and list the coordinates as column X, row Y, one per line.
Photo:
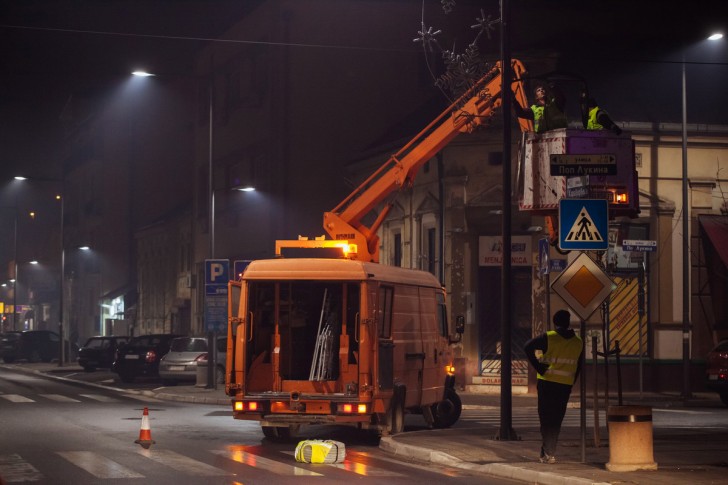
column 142, row 398
column 14, row 469
column 59, row 398
column 100, row 397
column 97, row 465
column 236, row 454
column 182, row 463
column 15, row 398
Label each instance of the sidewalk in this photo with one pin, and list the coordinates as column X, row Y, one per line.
column 694, row 456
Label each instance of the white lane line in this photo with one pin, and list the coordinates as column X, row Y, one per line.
column 99, row 397
column 182, row 463
column 97, row 465
column 142, row 398
column 15, row 398
column 58, row 398
column 14, row 469
column 266, row 464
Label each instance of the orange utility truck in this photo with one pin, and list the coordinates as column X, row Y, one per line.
column 344, row 339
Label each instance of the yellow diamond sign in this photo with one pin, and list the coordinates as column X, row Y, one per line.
column 583, row 285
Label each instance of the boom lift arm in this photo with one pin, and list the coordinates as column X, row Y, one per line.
column 476, row 107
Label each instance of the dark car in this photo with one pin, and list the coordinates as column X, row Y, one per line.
column 717, row 371
column 99, row 352
column 34, row 346
column 141, row 355
column 8, row 342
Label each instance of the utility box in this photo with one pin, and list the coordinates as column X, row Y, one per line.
column 576, row 163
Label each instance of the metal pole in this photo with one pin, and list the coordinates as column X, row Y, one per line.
column 62, row 359
column 211, row 335
column 685, row 243
column 15, row 265
column 506, row 431
column 582, row 390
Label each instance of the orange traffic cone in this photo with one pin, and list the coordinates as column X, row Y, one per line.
column 145, row 434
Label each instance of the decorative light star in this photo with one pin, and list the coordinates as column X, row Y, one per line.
column 427, row 37
column 485, row 24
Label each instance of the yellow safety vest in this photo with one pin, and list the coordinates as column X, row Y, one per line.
column 562, row 357
column 592, row 123
column 537, row 116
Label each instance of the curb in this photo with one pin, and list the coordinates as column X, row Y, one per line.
column 500, row 470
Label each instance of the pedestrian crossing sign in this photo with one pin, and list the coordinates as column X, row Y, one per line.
column 583, row 224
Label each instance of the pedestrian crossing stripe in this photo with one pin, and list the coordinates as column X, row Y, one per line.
column 584, row 229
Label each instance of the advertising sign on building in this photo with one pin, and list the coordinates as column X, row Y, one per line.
column 490, row 251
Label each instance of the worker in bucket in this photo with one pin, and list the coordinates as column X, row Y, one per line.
column 547, row 112
column 557, row 370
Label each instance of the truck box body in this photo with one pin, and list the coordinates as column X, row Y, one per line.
column 335, row 341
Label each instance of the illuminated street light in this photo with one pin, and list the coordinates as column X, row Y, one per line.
column 142, row 74
column 686, row 269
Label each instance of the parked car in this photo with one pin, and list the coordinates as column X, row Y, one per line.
column 717, row 370
column 34, row 346
column 7, row 345
column 141, row 356
column 180, row 364
column 99, row 352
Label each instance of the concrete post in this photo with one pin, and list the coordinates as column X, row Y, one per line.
column 630, row 439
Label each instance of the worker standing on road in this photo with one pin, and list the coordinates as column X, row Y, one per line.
column 557, row 370
column 547, row 112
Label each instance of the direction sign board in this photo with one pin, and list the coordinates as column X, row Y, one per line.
column 583, row 224
column 638, row 245
column 583, row 286
column 217, row 275
column 563, row 164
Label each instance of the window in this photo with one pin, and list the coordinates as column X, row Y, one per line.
column 386, row 295
column 442, row 315
column 397, row 250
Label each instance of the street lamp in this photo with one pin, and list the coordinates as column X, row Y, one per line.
column 61, row 198
column 686, row 269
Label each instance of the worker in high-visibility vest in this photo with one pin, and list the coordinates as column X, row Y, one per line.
column 547, row 112
column 557, row 369
column 598, row 119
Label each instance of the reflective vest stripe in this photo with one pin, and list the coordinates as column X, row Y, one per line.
column 592, row 123
column 562, row 357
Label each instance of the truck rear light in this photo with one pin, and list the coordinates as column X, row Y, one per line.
column 450, row 370
column 250, row 406
column 353, row 408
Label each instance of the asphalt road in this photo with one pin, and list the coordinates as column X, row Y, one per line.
column 54, row 432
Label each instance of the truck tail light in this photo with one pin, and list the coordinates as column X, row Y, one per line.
column 450, row 370
column 353, row 408
column 250, row 406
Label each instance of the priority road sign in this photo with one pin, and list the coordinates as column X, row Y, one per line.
column 583, row 286
column 583, row 224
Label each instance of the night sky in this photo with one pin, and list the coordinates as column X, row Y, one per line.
column 630, row 53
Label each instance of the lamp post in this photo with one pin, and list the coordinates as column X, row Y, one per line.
column 686, row 267
column 61, row 197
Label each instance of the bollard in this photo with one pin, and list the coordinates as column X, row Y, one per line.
column 201, row 375
column 630, row 439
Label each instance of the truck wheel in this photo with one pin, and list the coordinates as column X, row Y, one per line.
column 447, row 412
column 394, row 419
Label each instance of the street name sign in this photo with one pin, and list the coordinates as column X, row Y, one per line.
column 583, row 224
column 583, row 285
column 639, row 245
column 563, row 164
